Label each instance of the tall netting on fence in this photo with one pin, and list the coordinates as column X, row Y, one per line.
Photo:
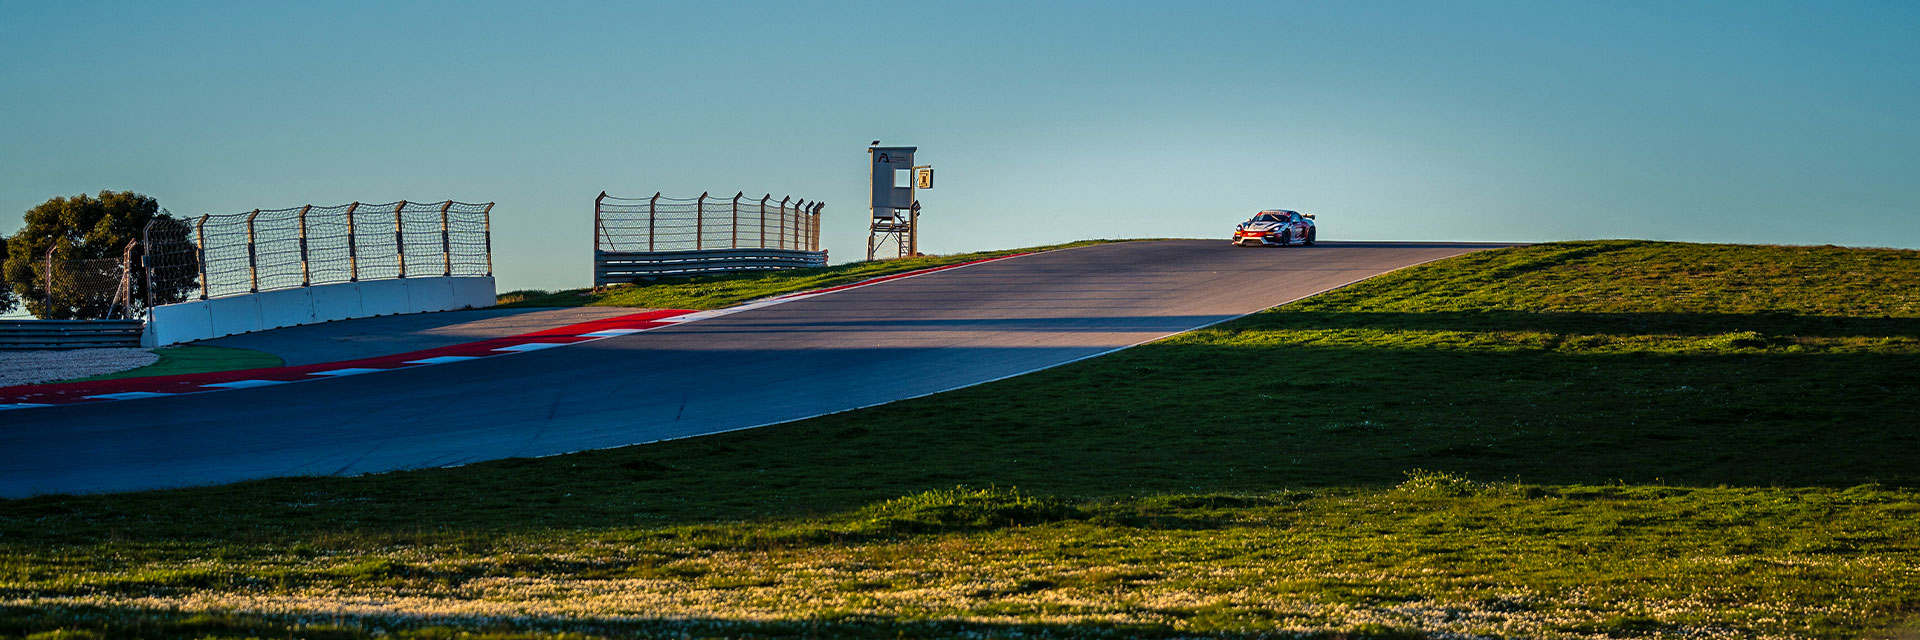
column 272, row 249
column 659, row 223
column 82, row 289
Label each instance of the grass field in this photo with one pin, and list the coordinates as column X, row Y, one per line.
column 1571, row 440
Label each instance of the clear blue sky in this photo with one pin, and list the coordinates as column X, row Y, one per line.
column 1739, row 121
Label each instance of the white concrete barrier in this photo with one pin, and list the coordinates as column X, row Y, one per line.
column 203, row 319
column 339, row 301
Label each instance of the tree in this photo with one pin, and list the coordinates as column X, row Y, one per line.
column 82, row 228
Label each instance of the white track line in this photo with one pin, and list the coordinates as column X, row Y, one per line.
column 444, row 359
column 533, row 346
column 130, row 395
column 245, row 384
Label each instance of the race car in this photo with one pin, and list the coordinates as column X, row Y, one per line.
column 1275, row 228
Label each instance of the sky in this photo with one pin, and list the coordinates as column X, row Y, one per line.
column 1749, row 121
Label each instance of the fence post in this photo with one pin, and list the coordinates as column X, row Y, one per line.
column 146, row 259
column 446, row 242
column 793, row 224
column 816, row 225
column 699, row 220
column 200, row 252
column 353, row 249
column 253, row 264
column 598, row 231
column 781, row 220
column 653, row 209
column 763, row 220
column 486, row 226
column 400, row 237
column 47, row 280
column 125, row 297
column 306, row 274
column 736, row 219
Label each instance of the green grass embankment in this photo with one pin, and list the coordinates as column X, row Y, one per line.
column 195, row 359
column 1572, row 440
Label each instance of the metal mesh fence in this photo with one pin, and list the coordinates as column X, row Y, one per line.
column 83, row 289
column 660, row 223
column 272, row 249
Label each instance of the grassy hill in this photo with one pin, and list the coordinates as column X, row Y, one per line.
column 1585, row 439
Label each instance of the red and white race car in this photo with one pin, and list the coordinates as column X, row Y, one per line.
column 1275, row 228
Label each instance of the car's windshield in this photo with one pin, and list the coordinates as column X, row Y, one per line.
column 1267, row 217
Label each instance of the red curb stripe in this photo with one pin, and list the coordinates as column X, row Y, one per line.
column 73, row 392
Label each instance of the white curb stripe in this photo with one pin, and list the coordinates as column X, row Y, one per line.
column 345, row 372
column 243, row 384
column 443, row 359
column 130, row 395
column 609, row 333
column 533, row 346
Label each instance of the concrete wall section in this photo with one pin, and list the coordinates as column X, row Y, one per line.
column 237, row 314
column 473, row 293
column 285, row 308
column 177, row 323
column 340, row 301
column 430, row 293
column 388, row 297
column 202, row 319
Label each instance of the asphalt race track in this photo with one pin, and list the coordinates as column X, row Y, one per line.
column 833, row 352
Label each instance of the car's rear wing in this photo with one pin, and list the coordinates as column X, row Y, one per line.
column 1308, row 216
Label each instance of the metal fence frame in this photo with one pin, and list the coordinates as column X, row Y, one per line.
column 265, row 248
column 658, row 235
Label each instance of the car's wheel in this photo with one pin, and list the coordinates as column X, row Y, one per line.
column 1310, row 234
column 1286, row 237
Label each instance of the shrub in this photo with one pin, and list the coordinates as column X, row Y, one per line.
column 962, row 509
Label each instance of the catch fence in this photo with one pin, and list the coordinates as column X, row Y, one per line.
column 82, row 289
column 707, row 222
column 637, row 238
column 273, row 249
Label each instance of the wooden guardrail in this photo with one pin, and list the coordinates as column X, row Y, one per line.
column 619, row 267
column 69, row 334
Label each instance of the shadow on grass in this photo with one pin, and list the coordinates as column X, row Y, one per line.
column 1681, row 324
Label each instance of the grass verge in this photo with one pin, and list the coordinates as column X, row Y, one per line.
column 1610, row 439
column 195, row 359
column 721, row 291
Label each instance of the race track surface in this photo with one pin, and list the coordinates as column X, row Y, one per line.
column 385, row 335
column 817, row 355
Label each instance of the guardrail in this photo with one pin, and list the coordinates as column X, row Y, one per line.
column 624, row 266
column 69, row 334
column 661, row 236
